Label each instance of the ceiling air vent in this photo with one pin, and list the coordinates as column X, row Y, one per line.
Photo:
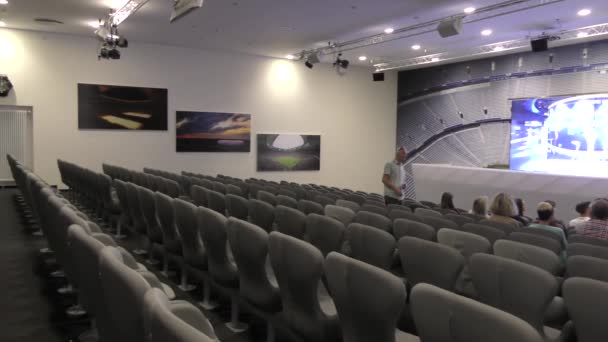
column 48, row 21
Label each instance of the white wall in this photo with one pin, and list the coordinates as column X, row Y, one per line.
column 355, row 116
column 467, row 183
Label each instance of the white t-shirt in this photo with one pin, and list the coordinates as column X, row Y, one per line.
column 577, row 221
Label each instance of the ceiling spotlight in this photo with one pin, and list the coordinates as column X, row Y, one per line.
column 107, row 52
column 362, row 58
column 469, row 10
column 582, row 34
column 435, row 59
column 291, row 57
column 389, row 30
column 584, row 12
column 2, row 23
column 416, row 47
column 341, row 63
column 311, row 60
column 486, row 32
column 3, row 2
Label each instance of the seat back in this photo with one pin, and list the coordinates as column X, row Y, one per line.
column 428, row 212
column 587, row 267
column 187, row 225
column 373, row 219
column 588, row 250
column 234, row 190
column 490, row 233
column 216, row 201
column 261, row 213
column 341, row 214
column 298, row 267
column 577, row 238
column 354, row 206
column 404, row 227
column 325, row 233
column 537, row 240
column 249, row 245
column 371, row 245
column 529, row 254
column 398, row 213
column 545, row 233
column 267, row 197
column 287, row 201
column 368, row 299
column 310, row 207
column 517, row 288
column 372, row 208
column 237, row 206
column 148, row 210
column 459, row 219
column 442, row 316
column 166, row 218
column 177, row 321
column 466, row 243
column 290, row 221
column 324, row 200
column 505, row 227
column 438, row 222
column 198, row 194
column 429, row 262
column 213, row 231
column 587, row 302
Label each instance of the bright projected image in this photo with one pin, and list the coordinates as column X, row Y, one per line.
column 289, row 152
column 561, row 135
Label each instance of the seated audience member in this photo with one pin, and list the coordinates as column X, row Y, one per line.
column 545, row 214
column 584, row 211
column 480, row 207
column 521, row 210
column 597, row 226
column 447, row 202
column 502, row 210
column 554, row 222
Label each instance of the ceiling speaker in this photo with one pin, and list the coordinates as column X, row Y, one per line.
column 450, row 27
column 540, row 44
column 378, row 76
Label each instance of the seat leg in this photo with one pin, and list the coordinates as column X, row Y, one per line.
column 207, row 303
column 150, row 260
column 165, row 270
column 235, row 325
column 269, row 332
column 184, row 286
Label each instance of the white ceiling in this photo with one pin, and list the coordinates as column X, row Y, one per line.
column 278, row 27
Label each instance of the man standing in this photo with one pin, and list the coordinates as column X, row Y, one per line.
column 393, row 178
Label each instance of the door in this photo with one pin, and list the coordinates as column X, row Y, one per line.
column 15, row 138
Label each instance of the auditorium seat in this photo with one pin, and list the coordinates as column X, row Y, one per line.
column 287, row 193
column 138, row 225
column 505, row 227
column 587, row 249
column 373, row 219
column 442, row 316
column 234, row 190
column 219, row 187
column 376, row 209
column 490, row 233
column 438, row 222
column 307, row 307
column 324, row 200
column 216, row 201
column 587, row 267
column 428, row 212
column 391, row 207
column 194, row 253
column 429, row 262
column 460, row 220
column 537, row 240
column 237, row 206
column 368, row 299
column 267, row 197
column 405, row 227
column 548, row 234
column 198, row 194
column 341, row 214
column 517, row 288
column 111, row 207
column 371, row 245
column 262, row 214
column 172, row 245
column 176, row 321
column 357, row 198
column 287, row 201
column 290, row 221
column 310, row 207
column 398, row 213
column 348, row 204
column 529, row 254
column 154, row 233
column 125, row 216
column 587, row 302
column 577, row 238
column 173, row 188
column 325, row 233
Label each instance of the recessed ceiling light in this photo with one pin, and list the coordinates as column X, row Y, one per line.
column 416, row 47
column 486, row 32
column 2, row 23
column 3, row 2
column 389, row 30
column 435, row 59
column 362, row 58
column 499, row 48
column 582, row 34
column 584, row 12
column 469, row 10
column 290, row 57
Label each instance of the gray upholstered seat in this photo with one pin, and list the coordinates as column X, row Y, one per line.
column 398, row 213
column 148, row 210
column 529, row 254
column 537, row 240
column 341, row 214
column 287, row 201
column 490, row 233
column 371, row 245
column 577, row 238
column 587, row 302
column 587, row 267
column 374, row 209
column 392, row 207
column 237, row 206
column 261, row 213
column 324, row 200
column 429, row 262
column 198, row 194
column 404, row 227
column 373, row 219
column 505, row 227
column 173, row 188
column 357, row 198
column 548, row 234
column 442, row 316
column 234, row 190
column 166, row 219
column 460, row 220
column 177, row 321
column 216, row 201
column 290, row 221
column 193, row 250
column 428, row 212
column 438, row 222
column 307, row 308
column 219, row 187
column 310, row 207
column 587, row 249
column 325, row 233
column 123, row 201
column 520, row 289
column 212, row 228
column 267, row 197
column 369, row 300
column 287, row 193
column 348, row 204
